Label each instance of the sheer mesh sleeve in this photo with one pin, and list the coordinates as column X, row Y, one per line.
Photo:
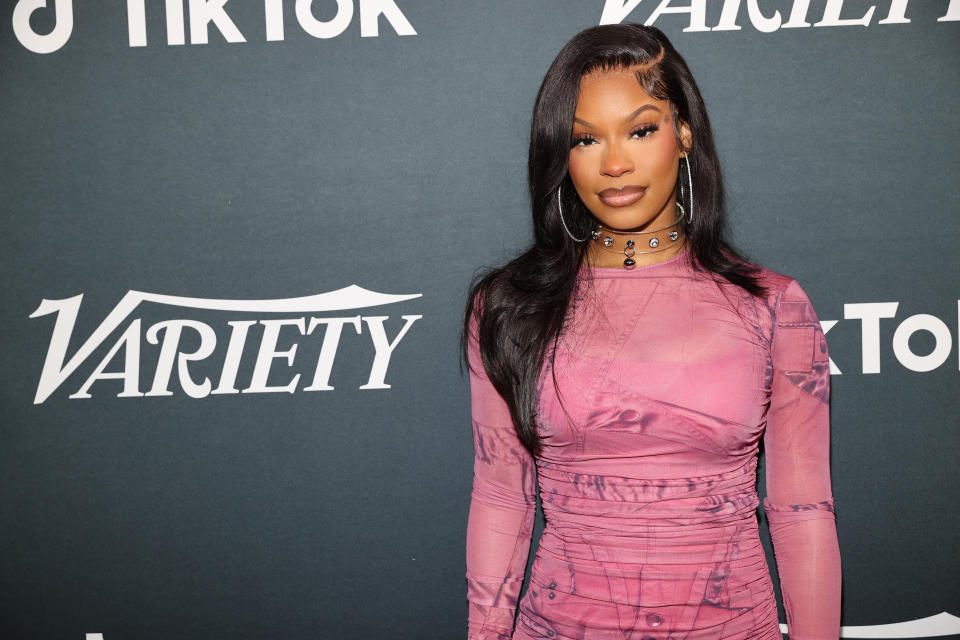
column 799, row 503
column 502, row 508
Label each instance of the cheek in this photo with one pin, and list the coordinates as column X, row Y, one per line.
column 575, row 164
column 661, row 156
column 578, row 169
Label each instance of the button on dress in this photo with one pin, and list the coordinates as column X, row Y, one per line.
column 664, row 384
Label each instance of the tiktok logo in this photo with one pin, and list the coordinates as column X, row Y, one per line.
column 204, row 15
column 32, row 40
column 871, row 313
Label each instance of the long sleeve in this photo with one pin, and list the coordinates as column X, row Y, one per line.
column 502, row 508
column 799, row 502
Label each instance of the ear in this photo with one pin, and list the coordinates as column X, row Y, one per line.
column 686, row 137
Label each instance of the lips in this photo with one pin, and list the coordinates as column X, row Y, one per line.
column 622, row 197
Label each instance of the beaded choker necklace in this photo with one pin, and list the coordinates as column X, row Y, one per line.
column 657, row 239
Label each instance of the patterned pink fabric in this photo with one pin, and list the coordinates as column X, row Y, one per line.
column 648, row 472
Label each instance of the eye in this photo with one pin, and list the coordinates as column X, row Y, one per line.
column 644, row 131
column 583, row 140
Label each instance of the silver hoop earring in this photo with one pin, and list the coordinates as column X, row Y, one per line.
column 565, row 228
column 690, row 183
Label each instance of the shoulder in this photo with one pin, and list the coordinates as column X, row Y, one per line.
column 773, row 281
column 790, row 318
column 781, row 287
column 785, row 304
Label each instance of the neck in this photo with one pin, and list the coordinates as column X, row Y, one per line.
column 627, row 249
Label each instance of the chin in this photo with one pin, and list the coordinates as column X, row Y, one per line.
column 626, row 222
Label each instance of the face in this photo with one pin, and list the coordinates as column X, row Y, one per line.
column 622, row 137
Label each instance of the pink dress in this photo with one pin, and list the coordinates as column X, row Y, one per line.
column 669, row 384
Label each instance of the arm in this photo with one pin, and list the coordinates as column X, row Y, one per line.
column 502, row 508
column 799, row 502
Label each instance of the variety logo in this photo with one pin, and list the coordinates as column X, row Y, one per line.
column 206, row 13
column 616, row 11
column 168, row 333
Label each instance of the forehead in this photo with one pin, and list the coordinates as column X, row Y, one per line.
column 614, row 89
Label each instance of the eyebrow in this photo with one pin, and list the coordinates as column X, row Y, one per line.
column 627, row 119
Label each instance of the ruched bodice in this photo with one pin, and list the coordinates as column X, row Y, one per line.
column 652, row 408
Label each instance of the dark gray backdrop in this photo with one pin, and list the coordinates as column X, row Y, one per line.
column 274, row 169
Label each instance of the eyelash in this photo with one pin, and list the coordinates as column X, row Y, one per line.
column 645, row 129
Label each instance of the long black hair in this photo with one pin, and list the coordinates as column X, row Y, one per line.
column 520, row 307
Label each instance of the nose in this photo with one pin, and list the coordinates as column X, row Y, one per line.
column 615, row 162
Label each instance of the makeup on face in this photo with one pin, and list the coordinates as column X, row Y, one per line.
column 624, row 155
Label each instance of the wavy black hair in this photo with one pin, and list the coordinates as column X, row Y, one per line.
column 520, row 307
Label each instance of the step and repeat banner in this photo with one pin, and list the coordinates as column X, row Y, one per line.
column 237, row 239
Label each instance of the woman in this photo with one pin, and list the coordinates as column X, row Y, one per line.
column 633, row 363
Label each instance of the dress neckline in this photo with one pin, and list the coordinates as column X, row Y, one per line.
column 669, row 265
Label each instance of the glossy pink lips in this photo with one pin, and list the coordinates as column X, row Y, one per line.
column 621, row 197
